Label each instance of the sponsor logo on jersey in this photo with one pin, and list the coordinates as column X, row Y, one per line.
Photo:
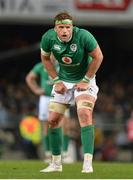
column 67, row 60
column 73, row 47
column 57, row 47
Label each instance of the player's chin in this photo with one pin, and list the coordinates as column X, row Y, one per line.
column 64, row 39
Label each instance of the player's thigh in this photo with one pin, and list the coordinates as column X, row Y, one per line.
column 86, row 99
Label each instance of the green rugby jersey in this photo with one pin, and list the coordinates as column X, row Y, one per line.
column 45, row 80
column 72, row 56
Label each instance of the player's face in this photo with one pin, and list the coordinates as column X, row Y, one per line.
column 64, row 31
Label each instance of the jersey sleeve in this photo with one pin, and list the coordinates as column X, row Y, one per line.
column 89, row 40
column 45, row 45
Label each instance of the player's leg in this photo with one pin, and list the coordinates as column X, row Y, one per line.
column 85, row 103
column 55, row 116
column 87, row 131
column 58, row 105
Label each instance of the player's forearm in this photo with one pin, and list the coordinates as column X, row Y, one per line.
column 32, row 84
column 34, row 87
column 93, row 67
column 49, row 67
column 96, row 62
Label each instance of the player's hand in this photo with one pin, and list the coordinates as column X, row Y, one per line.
column 81, row 86
column 39, row 91
column 60, row 88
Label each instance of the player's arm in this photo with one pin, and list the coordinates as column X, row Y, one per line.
column 46, row 55
column 97, row 57
column 48, row 63
column 31, row 80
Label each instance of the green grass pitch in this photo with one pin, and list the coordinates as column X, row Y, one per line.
column 29, row 169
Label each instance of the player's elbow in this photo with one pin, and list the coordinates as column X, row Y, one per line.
column 100, row 57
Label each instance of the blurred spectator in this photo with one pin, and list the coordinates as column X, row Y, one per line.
column 30, row 130
column 4, row 116
column 109, row 150
column 130, row 133
column 99, row 140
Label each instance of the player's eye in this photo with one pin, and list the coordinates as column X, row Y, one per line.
column 68, row 27
column 61, row 27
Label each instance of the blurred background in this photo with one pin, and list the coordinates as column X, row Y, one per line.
column 22, row 23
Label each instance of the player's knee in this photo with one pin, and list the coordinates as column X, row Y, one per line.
column 84, row 114
column 54, row 119
column 85, row 117
column 84, row 109
column 56, row 112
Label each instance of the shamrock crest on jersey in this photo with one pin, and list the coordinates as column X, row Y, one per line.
column 73, row 47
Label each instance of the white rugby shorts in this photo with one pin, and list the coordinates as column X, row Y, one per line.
column 71, row 94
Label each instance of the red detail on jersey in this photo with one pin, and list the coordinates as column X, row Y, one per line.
column 102, row 5
column 67, row 60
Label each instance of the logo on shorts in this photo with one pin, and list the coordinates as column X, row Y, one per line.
column 90, row 90
column 73, row 47
column 52, row 95
column 67, row 60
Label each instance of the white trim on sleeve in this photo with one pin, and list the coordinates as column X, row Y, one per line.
column 45, row 53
